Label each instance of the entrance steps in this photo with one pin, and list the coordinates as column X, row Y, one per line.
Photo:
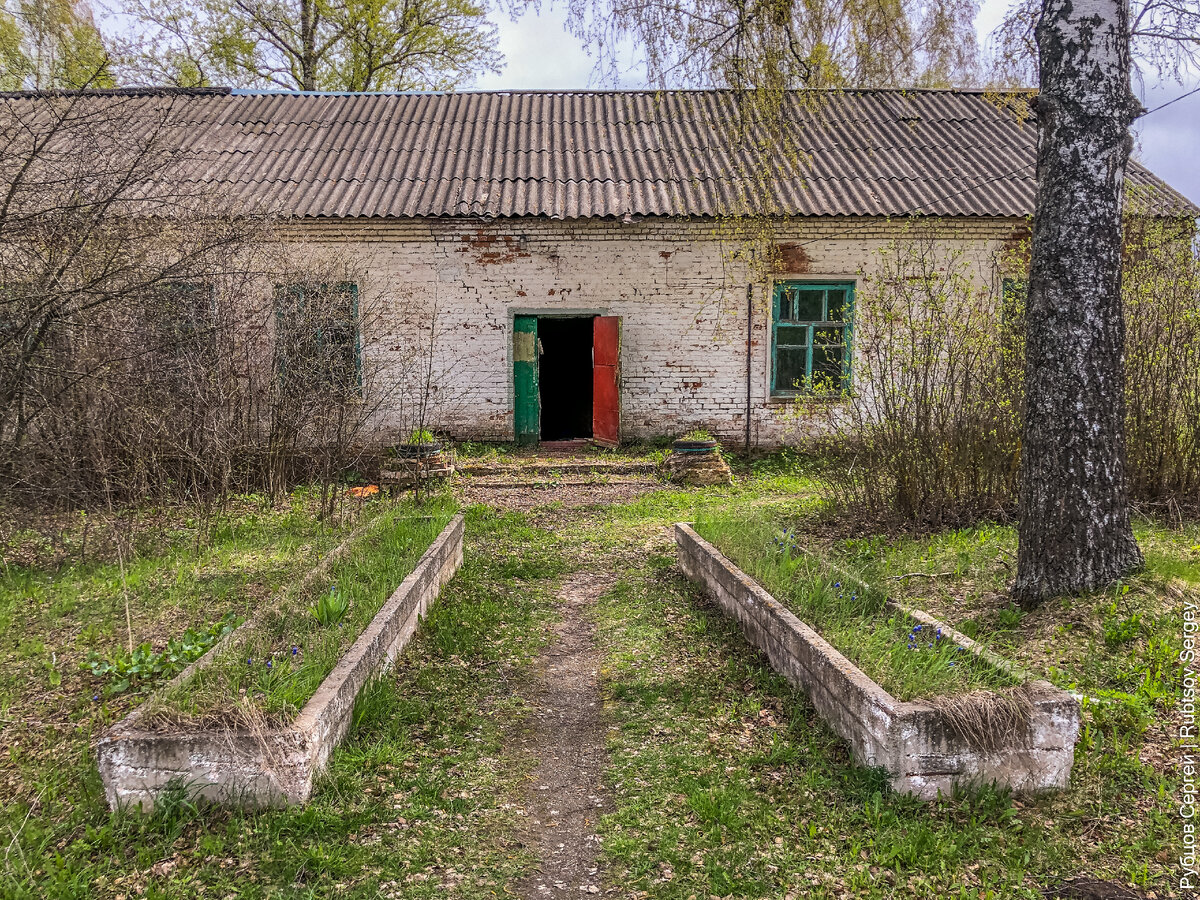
column 555, row 467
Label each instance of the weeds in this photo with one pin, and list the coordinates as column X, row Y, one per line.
column 144, row 668
column 331, row 608
column 900, row 655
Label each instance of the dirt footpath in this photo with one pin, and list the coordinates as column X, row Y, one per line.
column 567, row 737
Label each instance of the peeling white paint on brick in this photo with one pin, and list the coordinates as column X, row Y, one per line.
column 682, row 301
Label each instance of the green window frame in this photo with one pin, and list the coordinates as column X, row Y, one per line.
column 322, row 344
column 811, row 330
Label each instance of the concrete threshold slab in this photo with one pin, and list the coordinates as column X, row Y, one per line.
column 925, row 748
column 567, row 467
column 274, row 767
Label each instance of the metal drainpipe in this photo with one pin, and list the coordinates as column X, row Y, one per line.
column 749, row 354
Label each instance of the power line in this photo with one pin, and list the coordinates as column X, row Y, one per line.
column 1195, row 90
column 979, row 184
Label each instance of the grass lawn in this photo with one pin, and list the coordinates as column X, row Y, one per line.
column 727, row 783
column 721, row 779
column 419, row 799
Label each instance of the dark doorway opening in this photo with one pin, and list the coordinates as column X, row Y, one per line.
column 565, row 377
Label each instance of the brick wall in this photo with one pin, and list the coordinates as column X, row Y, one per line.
column 680, row 290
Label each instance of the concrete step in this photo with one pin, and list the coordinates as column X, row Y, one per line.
column 493, row 483
column 564, row 467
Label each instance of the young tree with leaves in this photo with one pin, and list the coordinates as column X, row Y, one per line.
column 788, row 43
column 308, row 45
column 48, row 44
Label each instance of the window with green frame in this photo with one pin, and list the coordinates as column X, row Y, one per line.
column 810, row 337
column 317, row 343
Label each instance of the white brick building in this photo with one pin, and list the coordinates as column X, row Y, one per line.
column 519, row 228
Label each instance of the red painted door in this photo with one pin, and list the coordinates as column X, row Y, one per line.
column 606, row 380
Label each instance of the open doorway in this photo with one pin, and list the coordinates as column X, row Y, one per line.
column 565, row 377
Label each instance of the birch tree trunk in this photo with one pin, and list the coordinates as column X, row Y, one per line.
column 1075, row 532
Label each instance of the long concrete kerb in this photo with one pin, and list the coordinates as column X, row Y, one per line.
column 275, row 767
column 923, row 749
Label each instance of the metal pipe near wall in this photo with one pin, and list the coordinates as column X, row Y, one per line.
column 749, row 354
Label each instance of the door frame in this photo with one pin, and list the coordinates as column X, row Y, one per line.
column 556, row 312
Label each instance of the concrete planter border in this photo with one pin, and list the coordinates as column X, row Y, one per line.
column 923, row 749
column 275, row 767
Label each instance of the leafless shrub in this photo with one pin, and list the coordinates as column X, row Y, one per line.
column 1161, row 287
column 929, row 430
column 153, row 342
column 929, row 427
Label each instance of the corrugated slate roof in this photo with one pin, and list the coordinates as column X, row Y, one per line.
column 581, row 154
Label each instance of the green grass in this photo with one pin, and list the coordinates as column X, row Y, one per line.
column 904, row 658
column 721, row 779
column 727, row 784
column 419, row 801
column 1124, row 639
column 271, row 667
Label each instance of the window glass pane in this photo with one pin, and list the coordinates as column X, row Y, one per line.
column 809, row 305
column 791, row 368
column 828, row 367
column 791, row 335
column 316, row 336
column 827, row 335
column 787, row 303
column 837, row 305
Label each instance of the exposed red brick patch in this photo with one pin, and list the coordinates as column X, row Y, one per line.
column 793, row 259
column 491, row 249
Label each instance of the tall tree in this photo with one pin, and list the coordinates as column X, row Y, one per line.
column 787, row 43
column 308, row 45
column 1075, row 531
column 1164, row 37
column 51, row 44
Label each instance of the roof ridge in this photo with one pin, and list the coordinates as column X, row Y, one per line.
column 166, row 90
column 152, row 91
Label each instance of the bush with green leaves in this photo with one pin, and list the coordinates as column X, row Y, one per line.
column 421, row 436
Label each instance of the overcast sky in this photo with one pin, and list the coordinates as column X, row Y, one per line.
column 541, row 54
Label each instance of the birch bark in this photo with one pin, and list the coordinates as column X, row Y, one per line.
column 1075, row 532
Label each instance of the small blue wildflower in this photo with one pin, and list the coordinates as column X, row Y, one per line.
column 837, row 584
column 95, row 696
column 295, row 649
column 269, row 664
column 250, row 661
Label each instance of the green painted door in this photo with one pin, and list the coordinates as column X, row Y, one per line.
column 527, row 412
